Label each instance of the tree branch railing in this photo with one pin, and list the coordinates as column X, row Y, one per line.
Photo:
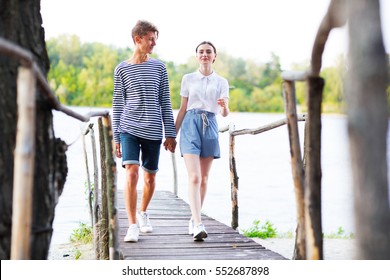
column 307, row 178
column 26, row 60
column 307, row 173
column 29, row 74
column 232, row 160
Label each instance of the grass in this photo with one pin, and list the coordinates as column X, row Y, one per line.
column 268, row 230
column 82, row 235
column 77, row 254
column 340, row 234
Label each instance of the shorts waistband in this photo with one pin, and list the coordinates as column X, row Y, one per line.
column 199, row 111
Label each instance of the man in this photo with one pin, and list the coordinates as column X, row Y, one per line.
column 142, row 112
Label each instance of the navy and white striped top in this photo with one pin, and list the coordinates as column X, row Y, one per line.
column 142, row 102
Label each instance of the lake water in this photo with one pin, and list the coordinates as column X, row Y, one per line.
column 266, row 190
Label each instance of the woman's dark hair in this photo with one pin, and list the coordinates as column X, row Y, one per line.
column 204, row 43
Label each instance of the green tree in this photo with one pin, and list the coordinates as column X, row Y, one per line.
column 82, row 74
column 333, row 96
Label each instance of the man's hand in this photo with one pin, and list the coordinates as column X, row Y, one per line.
column 170, row 144
column 118, row 152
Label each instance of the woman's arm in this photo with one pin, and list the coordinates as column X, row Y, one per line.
column 181, row 113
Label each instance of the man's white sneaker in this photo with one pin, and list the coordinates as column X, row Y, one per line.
column 200, row 232
column 191, row 227
column 144, row 222
column 132, row 233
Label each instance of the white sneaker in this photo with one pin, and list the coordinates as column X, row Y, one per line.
column 132, row 233
column 191, row 227
column 199, row 232
column 144, row 222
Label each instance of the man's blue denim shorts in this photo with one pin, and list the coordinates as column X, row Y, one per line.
column 199, row 134
column 132, row 146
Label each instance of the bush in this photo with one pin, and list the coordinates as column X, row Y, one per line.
column 262, row 231
column 82, row 234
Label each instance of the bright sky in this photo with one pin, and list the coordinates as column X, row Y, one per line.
column 251, row 29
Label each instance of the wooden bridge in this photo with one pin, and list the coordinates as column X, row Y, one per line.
column 169, row 216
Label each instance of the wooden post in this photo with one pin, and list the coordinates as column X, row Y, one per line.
column 104, row 240
column 368, row 120
column 175, row 184
column 96, row 224
column 313, row 171
column 95, row 174
column 23, row 166
column 232, row 161
column 88, row 177
column 233, row 178
column 111, row 189
column 297, row 167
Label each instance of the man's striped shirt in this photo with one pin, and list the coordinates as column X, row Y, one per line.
column 142, row 102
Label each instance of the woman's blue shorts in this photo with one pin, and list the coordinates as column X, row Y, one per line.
column 199, row 134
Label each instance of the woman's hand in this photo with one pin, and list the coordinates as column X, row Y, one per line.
column 223, row 103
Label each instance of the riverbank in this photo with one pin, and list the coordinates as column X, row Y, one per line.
column 334, row 248
column 71, row 251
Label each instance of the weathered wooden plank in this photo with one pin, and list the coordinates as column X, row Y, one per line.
column 147, row 245
column 173, row 229
column 218, row 254
column 169, row 216
column 213, row 238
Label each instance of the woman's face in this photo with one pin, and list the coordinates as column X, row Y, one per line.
column 206, row 54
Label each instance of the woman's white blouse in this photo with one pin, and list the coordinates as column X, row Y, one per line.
column 204, row 91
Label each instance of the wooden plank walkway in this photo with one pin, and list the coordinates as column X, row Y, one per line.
column 169, row 216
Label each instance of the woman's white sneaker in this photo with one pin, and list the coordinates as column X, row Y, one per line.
column 144, row 222
column 132, row 234
column 199, row 232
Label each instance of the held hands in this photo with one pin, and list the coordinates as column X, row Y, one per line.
column 170, row 144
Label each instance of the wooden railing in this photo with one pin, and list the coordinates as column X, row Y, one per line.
column 307, row 184
column 102, row 193
column 28, row 75
column 232, row 159
column 306, row 170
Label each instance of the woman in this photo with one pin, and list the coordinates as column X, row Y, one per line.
column 203, row 95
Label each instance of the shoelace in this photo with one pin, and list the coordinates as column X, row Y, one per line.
column 205, row 121
column 145, row 218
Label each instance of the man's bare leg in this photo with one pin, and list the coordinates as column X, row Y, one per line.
column 130, row 192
